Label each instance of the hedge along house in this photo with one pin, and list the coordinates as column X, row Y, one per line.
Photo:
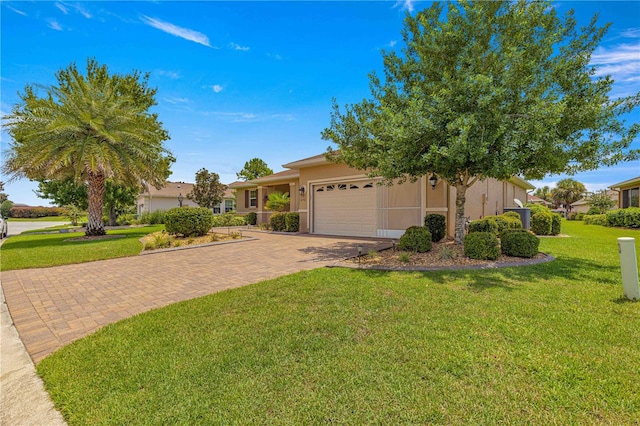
column 335, row 199
column 174, row 194
column 629, row 193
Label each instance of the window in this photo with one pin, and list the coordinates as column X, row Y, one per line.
column 228, row 206
column 369, row 185
column 352, row 186
column 216, row 210
column 631, row 198
column 342, row 187
column 330, row 187
column 321, row 189
column 253, row 198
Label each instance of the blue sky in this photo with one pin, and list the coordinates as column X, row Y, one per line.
column 238, row 80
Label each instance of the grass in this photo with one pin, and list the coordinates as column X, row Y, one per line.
column 548, row 344
column 44, row 250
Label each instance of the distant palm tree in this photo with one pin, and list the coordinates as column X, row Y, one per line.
column 89, row 128
column 568, row 191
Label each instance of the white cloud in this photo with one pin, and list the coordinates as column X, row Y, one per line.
column 631, row 33
column 275, row 56
column 54, row 25
column 19, row 12
column 176, row 101
column 622, row 61
column 405, row 5
column 247, row 117
column 62, row 8
column 174, row 75
column 177, row 31
column 236, row 46
column 216, row 88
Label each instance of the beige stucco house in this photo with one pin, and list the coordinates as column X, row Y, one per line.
column 629, row 193
column 335, row 199
column 174, row 194
column 582, row 205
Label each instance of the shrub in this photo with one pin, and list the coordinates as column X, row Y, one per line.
column 593, row 210
column 5, row 208
column 556, row 223
column 153, row 218
column 415, row 238
column 632, row 217
column 125, row 219
column 35, row 212
column 481, row 245
column 572, row 215
column 519, row 243
column 596, row 219
column 188, row 221
column 278, row 222
column 228, row 219
column 615, row 217
column 488, row 224
column 541, row 223
column 251, row 218
column 507, row 222
column 292, row 221
column 537, row 208
column 437, row 225
column 513, row 214
column 580, row 216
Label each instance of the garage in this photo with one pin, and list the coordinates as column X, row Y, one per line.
column 345, row 208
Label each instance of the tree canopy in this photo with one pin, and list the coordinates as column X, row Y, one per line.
column 207, row 191
column 568, row 191
column 486, row 90
column 254, row 169
column 89, row 128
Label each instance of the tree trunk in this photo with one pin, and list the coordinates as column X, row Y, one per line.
column 96, row 189
column 113, row 217
column 461, row 198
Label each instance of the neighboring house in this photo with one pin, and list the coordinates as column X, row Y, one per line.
column 174, row 194
column 537, row 200
column 582, row 205
column 629, row 193
column 335, row 199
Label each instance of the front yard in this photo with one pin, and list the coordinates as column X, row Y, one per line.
column 548, row 344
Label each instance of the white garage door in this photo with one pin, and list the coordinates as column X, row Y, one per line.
column 345, row 208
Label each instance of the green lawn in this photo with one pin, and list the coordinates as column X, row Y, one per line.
column 548, row 344
column 44, row 250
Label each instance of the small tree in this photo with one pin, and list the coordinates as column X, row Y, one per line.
column 207, row 191
column 601, row 202
column 568, row 191
column 5, row 208
column 277, row 201
column 254, row 169
column 486, row 89
column 543, row 193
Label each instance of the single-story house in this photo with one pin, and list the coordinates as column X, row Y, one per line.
column 335, row 199
column 174, row 194
column 628, row 193
column 582, row 205
column 537, row 200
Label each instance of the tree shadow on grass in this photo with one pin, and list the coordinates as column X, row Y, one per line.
column 510, row 278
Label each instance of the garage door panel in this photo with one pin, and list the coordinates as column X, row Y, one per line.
column 348, row 209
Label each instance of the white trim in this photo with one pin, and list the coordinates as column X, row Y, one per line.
column 302, row 211
column 341, row 178
column 437, row 209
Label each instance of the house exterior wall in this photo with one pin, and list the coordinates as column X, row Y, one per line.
column 148, row 204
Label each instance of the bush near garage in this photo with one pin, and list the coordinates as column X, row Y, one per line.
column 188, row 221
column 251, row 218
column 481, row 245
column 437, row 226
column 519, row 243
column 292, row 222
column 415, row 238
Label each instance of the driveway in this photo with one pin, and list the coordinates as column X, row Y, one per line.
column 52, row 307
column 16, row 228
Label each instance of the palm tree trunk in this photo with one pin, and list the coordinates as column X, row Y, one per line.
column 96, row 189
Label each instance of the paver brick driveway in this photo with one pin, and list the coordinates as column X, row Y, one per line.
column 51, row 307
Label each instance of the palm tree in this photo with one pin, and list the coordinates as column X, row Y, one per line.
column 89, row 128
column 568, row 191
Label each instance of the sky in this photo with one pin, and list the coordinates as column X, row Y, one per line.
column 239, row 80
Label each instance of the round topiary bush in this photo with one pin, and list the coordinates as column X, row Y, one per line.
column 541, row 223
column 513, row 214
column 488, row 224
column 556, row 223
column 519, row 243
column 188, row 221
column 481, row 245
column 251, row 218
column 437, row 225
column 415, row 238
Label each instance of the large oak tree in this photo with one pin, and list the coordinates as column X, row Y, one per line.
column 89, row 128
column 486, row 89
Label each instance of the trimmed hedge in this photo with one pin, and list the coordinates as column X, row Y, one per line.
column 481, row 245
column 541, row 223
column 292, row 221
column 632, row 217
column 153, row 218
column 512, row 214
column 188, row 221
column 615, row 217
column 415, row 238
column 556, row 223
column 437, row 226
column 228, row 219
column 278, row 222
column 35, row 212
column 251, row 218
column 596, row 219
column 488, row 224
column 519, row 243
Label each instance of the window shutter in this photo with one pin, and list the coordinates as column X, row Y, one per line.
column 246, row 198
